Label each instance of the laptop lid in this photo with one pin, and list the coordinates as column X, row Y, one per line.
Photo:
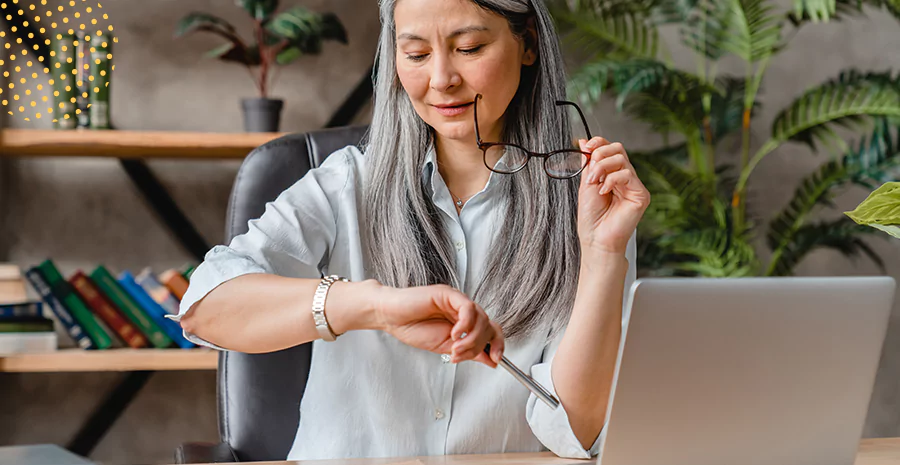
column 751, row 371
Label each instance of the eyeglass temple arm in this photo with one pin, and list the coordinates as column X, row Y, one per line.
column 580, row 113
column 475, row 112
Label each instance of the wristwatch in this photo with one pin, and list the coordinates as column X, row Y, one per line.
column 318, row 306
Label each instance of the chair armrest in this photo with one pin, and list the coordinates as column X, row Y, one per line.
column 204, row 452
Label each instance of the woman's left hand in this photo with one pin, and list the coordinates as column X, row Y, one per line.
column 611, row 198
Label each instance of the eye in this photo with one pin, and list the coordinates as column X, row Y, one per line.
column 416, row 58
column 472, row 50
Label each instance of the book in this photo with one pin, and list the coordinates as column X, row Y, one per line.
column 188, row 270
column 176, row 283
column 123, row 301
column 40, row 454
column 150, row 307
column 28, row 343
column 73, row 328
column 26, row 325
column 12, row 284
column 65, row 294
column 107, row 312
column 32, row 308
column 160, row 293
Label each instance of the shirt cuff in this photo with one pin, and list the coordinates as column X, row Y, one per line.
column 221, row 264
column 551, row 426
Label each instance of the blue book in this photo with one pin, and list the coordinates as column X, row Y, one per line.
column 153, row 310
column 34, row 309
column 39, row 283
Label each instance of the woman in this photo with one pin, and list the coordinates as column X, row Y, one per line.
column 443, row 255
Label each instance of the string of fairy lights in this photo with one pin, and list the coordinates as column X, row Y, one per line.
column 28, row 72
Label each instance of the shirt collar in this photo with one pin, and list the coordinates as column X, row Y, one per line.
column 429, row 171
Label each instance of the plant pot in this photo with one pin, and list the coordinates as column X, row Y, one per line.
column 261, row 114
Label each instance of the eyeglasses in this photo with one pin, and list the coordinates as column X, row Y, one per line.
column 510, row 158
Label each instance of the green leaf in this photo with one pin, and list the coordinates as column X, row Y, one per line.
column 891, row 229
column 881, row 207
column 259, row 9
column 306, row 30
column 288, row 55
column 204, row 22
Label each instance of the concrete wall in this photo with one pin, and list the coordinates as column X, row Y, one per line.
column 83, row 211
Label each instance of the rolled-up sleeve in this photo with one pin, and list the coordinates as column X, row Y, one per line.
column 292, row 238
column 551, row 426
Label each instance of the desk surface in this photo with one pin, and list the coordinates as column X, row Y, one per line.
column 871, row 452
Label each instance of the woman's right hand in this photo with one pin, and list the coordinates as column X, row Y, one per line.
column 434, row 318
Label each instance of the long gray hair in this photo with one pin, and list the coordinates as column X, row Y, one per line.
column 531, row 273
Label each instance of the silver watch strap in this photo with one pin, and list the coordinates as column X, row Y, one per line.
column 318, row 306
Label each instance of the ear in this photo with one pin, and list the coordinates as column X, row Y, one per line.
column 531, row 41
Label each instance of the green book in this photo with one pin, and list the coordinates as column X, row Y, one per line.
column 105, row 281
column 64, row 292
column 26, row 326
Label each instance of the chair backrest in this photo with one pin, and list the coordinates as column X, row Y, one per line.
column 259, row 394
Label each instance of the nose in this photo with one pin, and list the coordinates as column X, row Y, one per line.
column 443, row 74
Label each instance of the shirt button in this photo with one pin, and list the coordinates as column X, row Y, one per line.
column 438, row 414
column 460, row 245
column 445, row 358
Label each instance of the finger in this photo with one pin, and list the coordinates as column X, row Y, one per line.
column 466, row 322
column 608, row 150
column 606, row 166
column 619, row 180
column 469, row 347
column 498, row 344
column 595, row 142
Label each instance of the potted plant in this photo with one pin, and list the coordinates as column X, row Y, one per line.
column 881, row 209
column 699, row 223
column 277, row 39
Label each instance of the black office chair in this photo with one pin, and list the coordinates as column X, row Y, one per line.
column 259, row 394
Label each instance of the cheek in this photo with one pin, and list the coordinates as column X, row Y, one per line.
column 495, row 76
column 413, row 80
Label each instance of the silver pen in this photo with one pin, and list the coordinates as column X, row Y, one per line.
column 526, row 380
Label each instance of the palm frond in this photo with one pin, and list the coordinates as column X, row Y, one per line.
column 707, row 252
column 874, row 161
column 842, row 235
column 755, row 29
column 705, row 30
column 676, row 194
column 845, row 101
column 815, row 10
column 613, row 28
column 844, row 9
column 727, row 107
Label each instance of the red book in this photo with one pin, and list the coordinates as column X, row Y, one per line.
column 107, row 312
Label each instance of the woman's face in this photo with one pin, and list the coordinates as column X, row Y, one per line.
column 450, row 50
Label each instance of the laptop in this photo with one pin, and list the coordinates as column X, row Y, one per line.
column 751, row 371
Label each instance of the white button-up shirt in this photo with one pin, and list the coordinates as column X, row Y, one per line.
column 369, row 395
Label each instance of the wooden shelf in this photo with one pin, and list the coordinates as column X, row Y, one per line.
column 111, row 360
column 130, row 144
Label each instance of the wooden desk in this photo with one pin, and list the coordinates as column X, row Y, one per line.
column 871, row 452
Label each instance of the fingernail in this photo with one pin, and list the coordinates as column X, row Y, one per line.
column 601, row 179
column 464, row 334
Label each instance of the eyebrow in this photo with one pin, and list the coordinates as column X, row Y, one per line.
column 456, row 33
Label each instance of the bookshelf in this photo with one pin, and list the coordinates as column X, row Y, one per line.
column 78, row 360
column 130, row 144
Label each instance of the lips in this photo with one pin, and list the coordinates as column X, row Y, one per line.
column 453, row 109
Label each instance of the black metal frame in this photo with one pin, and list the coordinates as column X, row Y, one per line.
column 115, row 403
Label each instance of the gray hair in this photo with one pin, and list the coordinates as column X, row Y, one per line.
column 531, row 273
